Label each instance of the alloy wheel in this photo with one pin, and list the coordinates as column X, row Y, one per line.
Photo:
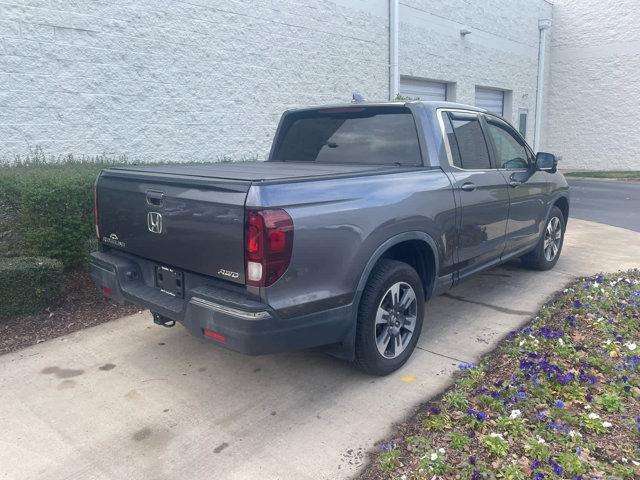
column 396, row 319
column 552, row 239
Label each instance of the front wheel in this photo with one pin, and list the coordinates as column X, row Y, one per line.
column 390, row 318
column 548, row 249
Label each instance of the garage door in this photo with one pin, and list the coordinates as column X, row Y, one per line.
column 423, row 89
column 490, row 99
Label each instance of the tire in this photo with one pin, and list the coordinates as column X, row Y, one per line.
column 399, row 329
column 546, row 254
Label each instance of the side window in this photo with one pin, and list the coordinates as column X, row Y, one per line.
column 470, row 141
column 511, row 153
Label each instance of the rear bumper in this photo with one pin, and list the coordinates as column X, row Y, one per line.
column 246, row 324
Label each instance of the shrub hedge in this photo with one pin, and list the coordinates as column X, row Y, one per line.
column 54, row 209
column 28, row 284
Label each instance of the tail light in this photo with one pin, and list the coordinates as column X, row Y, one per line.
column 268, row 244
column 95, row 211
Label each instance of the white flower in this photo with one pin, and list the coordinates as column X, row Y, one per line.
column 496, row 435
column 560, row 341
column 635, row 463
column 587, row 407
column 607, row 424
column 441, row 450
column 607, row 342
column 573, row 434
column 631, row 346
column 522, row 342
column 540, row 439
column 593, row 416
column 515, row 414
column 434, row 456
column 624, row 460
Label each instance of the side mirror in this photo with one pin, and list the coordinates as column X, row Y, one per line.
column 547, row 162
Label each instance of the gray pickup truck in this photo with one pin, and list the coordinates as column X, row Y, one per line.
column 360, row 215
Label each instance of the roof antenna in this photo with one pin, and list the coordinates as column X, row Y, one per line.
column 357, row 98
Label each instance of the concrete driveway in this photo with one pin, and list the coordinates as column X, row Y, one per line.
column 129, row 400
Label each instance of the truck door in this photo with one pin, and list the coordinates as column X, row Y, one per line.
column 527, row 186
column 481, row 193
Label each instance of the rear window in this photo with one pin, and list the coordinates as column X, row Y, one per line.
column 364, row 135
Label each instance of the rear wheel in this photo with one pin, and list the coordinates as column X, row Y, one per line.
column 548, row 249
column 390, row 318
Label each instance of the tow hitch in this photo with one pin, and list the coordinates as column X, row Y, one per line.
column 164, row 321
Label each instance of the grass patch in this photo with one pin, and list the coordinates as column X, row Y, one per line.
column 623, row 174
column 559, row 398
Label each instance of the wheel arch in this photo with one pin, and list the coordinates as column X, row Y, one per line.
column 563, row 204
column 415, row 248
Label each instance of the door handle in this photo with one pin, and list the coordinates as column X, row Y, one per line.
column 514, row 183
column 468, row 186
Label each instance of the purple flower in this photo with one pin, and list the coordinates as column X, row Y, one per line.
column 435, row 410
column 559, row 404
column 475, row 475
column 557, row 469
column 540, row 416
column 549, row 333
column 599, row 279
column 472, row 459
column 522, row 395
column 577, row 303
column 480, row 416
column 538, row 476
column 386, row 446
column 466, row 366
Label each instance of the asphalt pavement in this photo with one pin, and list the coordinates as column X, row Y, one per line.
column 132, row 400
column 612, row 202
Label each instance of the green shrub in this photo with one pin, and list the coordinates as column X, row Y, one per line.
column 54, row 205
column 28, row 284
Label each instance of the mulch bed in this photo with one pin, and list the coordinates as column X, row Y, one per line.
column 80, row 306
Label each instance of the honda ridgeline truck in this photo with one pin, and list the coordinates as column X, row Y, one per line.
column 360, row 215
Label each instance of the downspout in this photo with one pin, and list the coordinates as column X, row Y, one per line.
column 543, row 26
column 394, row 76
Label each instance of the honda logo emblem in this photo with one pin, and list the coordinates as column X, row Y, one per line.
column 154, row 222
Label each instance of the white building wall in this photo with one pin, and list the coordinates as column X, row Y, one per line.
column 500, row 52
column 164, row 80
column 593, row 103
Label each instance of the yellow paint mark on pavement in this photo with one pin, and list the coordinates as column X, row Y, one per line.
column 408, row 379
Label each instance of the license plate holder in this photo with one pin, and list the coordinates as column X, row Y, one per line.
column 170, row 281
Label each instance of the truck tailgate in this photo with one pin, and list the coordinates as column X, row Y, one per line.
column 190, row 223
